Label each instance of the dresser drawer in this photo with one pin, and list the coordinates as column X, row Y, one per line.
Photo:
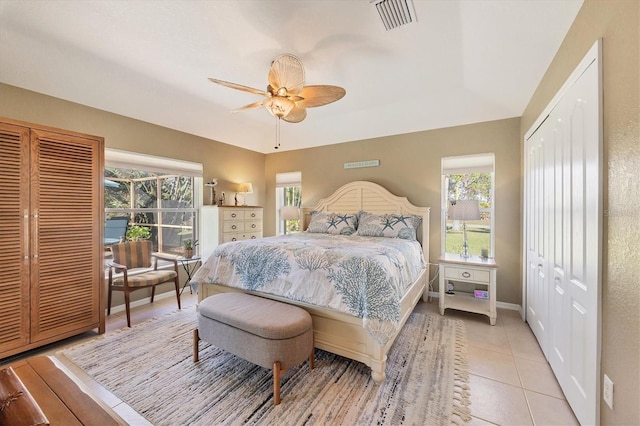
column 253, row 226
column 235, row 214
column 465, row 274
column 233, row 226
column 253, row 214
column 233, row 236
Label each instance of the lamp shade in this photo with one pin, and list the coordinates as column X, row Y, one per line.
column 246, row 188
column 289, row 213
column 465, row 210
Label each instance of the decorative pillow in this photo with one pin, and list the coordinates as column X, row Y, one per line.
column 332, row 223
column 388, row 225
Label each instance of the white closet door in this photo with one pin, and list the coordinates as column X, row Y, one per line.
column 564, row 235
column 536, row 248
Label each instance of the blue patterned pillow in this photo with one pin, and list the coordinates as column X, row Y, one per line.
column 388, row 225
column 332, row 223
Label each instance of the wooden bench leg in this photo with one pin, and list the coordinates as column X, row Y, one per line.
column 276, row 383
column 312, row 357
column 196, row 339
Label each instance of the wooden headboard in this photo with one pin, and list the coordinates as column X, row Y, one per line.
column 372, row 198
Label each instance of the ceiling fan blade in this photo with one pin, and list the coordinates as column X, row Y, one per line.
column 315, row 96
column 250, row 106
column 296, row 115
column 286, row 72
column 239, row 87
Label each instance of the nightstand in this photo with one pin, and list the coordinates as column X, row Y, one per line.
column 474, row 270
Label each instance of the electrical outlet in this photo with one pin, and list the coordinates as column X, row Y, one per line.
column 607, row 392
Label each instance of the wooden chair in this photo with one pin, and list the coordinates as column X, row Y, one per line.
column 133, row 255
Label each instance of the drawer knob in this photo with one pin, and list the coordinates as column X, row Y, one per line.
column 253, row 215
column 233, row 215
column 234, row 239
column 253, row 237
column 465, row 274
column 253, row 225
column 234, row 227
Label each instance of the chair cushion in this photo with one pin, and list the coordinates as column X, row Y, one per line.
column 145, row 279
column 263, row 317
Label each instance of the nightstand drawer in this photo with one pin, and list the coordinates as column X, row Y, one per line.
column 453, row 273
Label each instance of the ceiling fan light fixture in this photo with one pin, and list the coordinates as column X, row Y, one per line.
column 278, row 106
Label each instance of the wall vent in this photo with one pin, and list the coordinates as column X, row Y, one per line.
column 395, row 13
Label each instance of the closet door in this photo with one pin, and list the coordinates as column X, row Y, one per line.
column 66, row 268
column 14, row 237
column 564, row 236
column 536, row 218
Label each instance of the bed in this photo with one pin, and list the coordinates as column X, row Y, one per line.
column 360, row 336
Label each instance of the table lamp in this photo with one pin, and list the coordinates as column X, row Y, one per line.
column 244, row 189
column 465, row 210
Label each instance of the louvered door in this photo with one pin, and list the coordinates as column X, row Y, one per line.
column 14, row 244
column 65, row 190
column 51, row 217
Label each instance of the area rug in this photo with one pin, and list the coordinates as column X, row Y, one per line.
column 150, row 367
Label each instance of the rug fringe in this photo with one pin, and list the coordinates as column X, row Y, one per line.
column 461, row 413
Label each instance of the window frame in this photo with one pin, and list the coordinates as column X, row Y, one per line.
column 467, row 164
column 283, row 181
column 163, row 168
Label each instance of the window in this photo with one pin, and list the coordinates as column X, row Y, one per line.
column 468, row 178
column 288, row 193
column 159, row 194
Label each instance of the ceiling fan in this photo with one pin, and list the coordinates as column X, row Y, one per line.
column 287, row 97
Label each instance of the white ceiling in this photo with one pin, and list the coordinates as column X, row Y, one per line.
column 462, row 62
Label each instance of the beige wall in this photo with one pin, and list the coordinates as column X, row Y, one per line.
column 410, row 167
column 617, row 22
column 228, row 163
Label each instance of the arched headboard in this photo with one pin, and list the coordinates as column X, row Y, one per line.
column 373, row 198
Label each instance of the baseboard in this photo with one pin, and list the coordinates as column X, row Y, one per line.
column 501, row 305
column 144, row 301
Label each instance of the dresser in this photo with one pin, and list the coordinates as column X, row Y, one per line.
column 228, row 223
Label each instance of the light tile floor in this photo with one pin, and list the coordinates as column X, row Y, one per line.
column 510, row 381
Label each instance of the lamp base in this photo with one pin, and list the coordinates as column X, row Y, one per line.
column 465, row 247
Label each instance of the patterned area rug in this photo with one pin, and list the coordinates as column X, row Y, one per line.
column 150, row 367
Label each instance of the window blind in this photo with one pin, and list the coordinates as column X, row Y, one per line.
column 284, row 180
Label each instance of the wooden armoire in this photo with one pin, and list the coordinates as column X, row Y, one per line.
column 51, row 235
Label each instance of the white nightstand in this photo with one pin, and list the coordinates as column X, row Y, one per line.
column 474, row 270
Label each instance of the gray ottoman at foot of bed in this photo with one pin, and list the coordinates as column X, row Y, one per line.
column 264, row 332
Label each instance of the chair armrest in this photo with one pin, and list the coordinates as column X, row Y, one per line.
column 163, row 256
column 167, row 257
column 112, row 264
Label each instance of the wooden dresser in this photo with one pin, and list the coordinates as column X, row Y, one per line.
column 228, row 223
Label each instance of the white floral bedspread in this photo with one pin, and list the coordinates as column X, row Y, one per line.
column 362, row 276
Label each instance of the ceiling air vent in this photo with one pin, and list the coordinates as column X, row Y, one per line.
column 395, row 13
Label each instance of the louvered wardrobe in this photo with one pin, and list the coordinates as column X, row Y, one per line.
column 51, row 225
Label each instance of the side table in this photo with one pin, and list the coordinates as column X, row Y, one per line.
column 474, row 270
column 190, row 265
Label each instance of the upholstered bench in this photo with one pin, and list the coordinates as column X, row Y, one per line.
column 264, row 332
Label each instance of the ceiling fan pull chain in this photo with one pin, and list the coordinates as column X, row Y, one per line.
column 277, row 133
